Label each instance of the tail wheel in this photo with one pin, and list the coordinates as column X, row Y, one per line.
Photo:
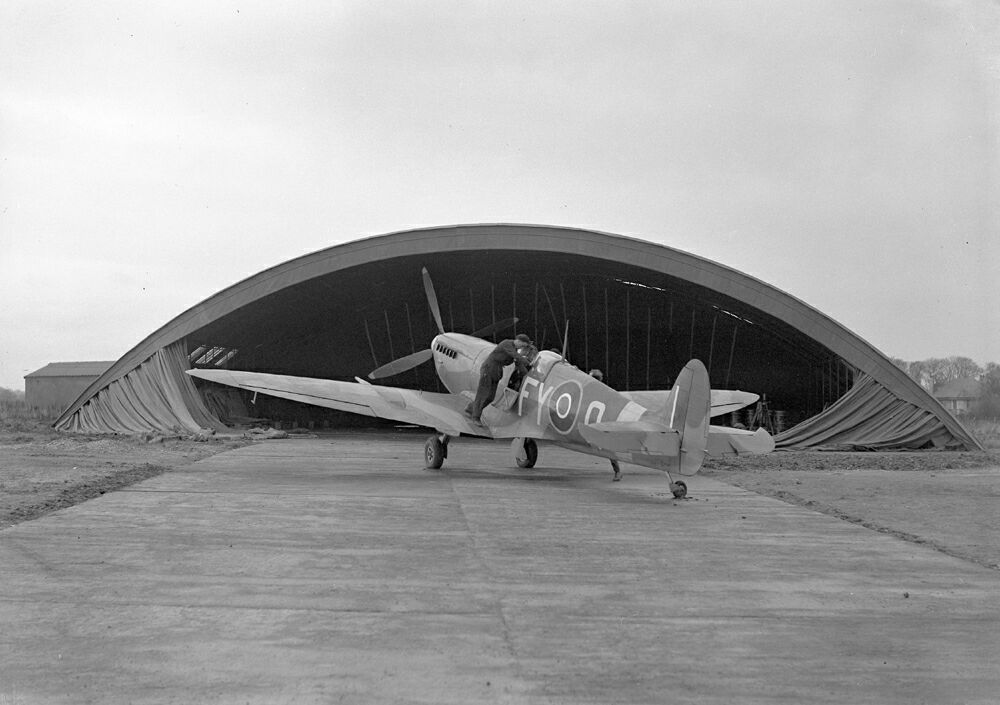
column 531, row 451
column 434, row 453
column 679, row 489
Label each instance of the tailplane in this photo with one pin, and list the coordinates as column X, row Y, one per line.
column 673, row 439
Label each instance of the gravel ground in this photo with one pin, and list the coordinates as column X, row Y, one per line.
column 42, row 471
column 947, row 500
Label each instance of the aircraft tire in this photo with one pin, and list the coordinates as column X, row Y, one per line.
column 531, row 450
column 434, row 453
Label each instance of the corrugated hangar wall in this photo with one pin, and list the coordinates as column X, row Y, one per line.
column 636, row 310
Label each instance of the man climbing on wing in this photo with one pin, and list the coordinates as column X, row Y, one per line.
column 507, row 352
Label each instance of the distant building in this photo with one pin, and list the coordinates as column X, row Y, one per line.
column 959, row 395
column 58, row 384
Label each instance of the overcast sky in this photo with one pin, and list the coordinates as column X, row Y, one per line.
column 846, row 153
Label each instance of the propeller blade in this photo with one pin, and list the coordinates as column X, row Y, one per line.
column 432, row 300
column 491, row 329
column 402, row 364
column 566, row 340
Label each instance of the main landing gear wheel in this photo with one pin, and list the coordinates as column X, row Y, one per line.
column 679, row 489
column 531, row 451
column 435, row 451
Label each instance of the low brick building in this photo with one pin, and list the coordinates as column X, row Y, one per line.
column 58, row 384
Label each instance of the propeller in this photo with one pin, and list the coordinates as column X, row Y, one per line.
column 408, row 362
column 412, row 360
column 432, row 300
column 494, row 327
column 402, row 364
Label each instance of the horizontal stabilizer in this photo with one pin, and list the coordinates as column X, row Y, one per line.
column 731, row 441
column 632, row 437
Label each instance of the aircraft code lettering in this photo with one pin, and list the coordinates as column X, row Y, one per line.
column 561, row 402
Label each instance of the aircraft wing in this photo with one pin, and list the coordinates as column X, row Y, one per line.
column 724, row 401
column 443, row 412
column 723, row 440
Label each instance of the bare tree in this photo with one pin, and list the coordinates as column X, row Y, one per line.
column 901, row 364
column 960, row 367
column 988, row 405
column 936, row 371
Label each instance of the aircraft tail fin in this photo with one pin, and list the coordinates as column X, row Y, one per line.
column 689, row 415
column 675, row 438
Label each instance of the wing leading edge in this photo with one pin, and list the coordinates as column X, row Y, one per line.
column 442, row 412
column 445, row 412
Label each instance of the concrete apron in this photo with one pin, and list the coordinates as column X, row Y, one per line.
column 339, row 570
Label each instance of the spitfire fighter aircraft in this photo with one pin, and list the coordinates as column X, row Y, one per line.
column 554, row 402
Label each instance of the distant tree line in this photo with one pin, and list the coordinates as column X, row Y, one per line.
column 11, row 394
column 935, row 371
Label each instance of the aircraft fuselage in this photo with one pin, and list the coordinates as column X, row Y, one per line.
column 553, row 400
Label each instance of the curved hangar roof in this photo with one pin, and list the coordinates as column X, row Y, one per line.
column 636, row 309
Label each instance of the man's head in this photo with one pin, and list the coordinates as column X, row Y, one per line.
column 597, row 374
column 522, row 341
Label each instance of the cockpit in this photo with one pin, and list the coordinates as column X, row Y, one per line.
column 541, row 365
column 544, row 361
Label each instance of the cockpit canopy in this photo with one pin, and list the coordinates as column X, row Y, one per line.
column 544, row 361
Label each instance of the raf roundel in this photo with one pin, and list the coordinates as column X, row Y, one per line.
column 564, row 406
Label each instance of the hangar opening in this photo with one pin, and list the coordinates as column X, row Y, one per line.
column 636, row 310
column 639, row 328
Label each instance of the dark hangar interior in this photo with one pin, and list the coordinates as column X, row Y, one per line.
column 638, row 326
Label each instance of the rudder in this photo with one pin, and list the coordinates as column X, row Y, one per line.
column 689, row 415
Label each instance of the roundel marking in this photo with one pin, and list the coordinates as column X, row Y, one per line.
column 564, row 406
